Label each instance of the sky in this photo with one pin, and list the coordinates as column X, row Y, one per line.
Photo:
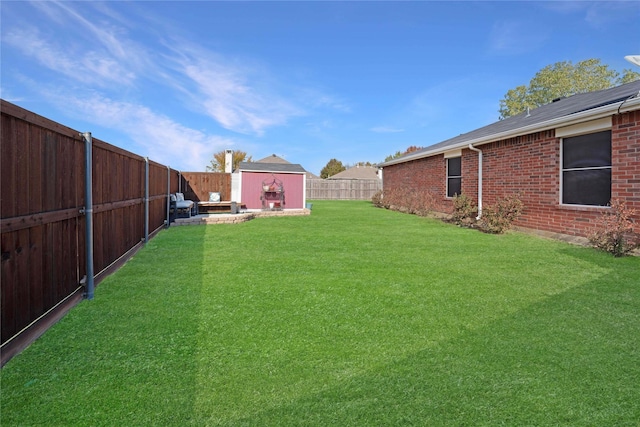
column 307, row 81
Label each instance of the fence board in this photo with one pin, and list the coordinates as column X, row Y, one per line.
column 21, row 285
column 7, row 171
column 21, row 171
column 36, row 301
column 9, row 280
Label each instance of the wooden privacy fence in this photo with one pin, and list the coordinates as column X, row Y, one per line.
column 197, row 185
column 43, row 217
column 342, row 189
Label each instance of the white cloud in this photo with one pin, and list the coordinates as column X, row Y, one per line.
column 157, row 136
column 240, row 97
column 597, row 14
column 516, row 37
column 93, row 69
column 112, row 38
column 89, row 67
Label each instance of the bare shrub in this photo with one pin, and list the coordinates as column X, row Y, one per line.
column 377, row 199
column 405, row 200
column 499, row 217
column 464, row 210
column 614, row 232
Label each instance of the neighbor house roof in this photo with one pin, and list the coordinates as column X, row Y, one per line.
column 561, row 112
column 271, row 167
column 357, row 172
column 273, row 159
column 277, row 159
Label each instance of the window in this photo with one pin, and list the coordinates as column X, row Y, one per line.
column 454, row 176
column 586, row 169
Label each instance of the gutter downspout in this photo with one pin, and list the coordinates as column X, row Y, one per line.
column 477, row 150
column 88, row 212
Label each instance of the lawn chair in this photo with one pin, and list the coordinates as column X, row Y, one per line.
column 180, row 207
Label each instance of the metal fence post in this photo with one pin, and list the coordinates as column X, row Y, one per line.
column 88, row 212
column 146, row 200
column 168, row 222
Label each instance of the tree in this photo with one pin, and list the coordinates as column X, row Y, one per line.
column 347, row 166
column 560, row 80
column 397, row 154
column 332, row 167
column 217, row 163
column 628, row 76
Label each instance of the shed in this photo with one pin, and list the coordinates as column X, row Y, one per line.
column 271, row 185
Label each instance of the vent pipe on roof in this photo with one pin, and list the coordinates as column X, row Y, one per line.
column 471, row 147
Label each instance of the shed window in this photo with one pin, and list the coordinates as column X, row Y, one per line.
column 454, row 176
column 586, row 169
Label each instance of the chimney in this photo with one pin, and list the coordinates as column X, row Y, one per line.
column 228, row 161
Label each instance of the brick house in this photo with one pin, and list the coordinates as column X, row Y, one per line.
column 567, row 159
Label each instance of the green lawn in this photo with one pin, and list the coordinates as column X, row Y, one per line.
column 353, row 316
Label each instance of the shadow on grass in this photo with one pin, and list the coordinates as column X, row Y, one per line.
column 144, row 372
column 570, row 359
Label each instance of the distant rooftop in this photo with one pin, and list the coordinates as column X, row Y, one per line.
column 273, row 159
column 357, row 172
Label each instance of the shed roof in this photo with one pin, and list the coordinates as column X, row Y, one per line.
column 271, row 167
column 560, row 112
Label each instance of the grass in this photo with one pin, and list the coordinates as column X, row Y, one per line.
column 354, row 316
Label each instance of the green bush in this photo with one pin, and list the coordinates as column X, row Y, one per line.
column 614, row 232
column 499, row 217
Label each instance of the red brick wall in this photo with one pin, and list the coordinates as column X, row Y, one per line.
column 625, row 143
column 530, row 165
column 423, row 175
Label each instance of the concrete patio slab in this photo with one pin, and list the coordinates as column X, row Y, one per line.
column 205, row 219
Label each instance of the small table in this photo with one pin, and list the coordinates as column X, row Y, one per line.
column 206, row 207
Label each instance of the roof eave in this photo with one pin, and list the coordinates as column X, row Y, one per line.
column 568, row 120
column 271, row 171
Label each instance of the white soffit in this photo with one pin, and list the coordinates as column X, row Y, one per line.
column 583, row 128
column 453, row 153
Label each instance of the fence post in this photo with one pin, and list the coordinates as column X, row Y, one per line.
column 88, row 212
column 146, row 200
column 168, row 221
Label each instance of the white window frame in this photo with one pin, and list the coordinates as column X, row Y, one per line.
column 448, row 177
column 583, row 131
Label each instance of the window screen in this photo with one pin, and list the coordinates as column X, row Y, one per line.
column 454, row 176
column 586, row 169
